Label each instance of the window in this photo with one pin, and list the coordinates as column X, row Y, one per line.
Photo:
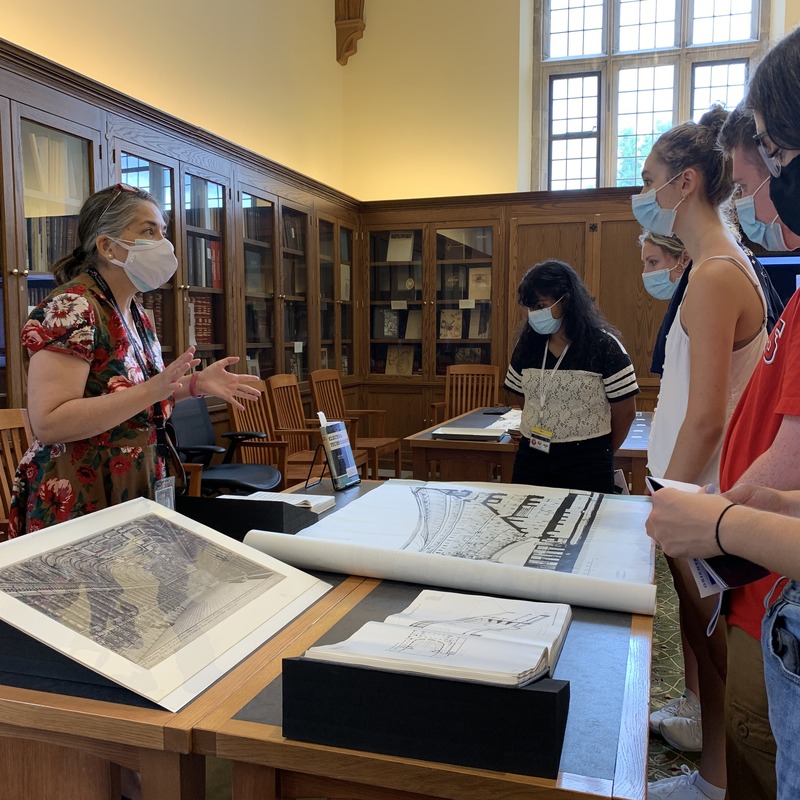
column 612, row 75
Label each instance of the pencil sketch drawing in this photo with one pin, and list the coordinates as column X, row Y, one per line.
column 143, row 589
column 545, row 531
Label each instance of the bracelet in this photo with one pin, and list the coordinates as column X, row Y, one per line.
column 716, row 530
column 193, row 385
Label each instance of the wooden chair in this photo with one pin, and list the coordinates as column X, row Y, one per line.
column 15, row 438
column 290, row 422
column 328, row 397
column 264, row 446
column 467, row 387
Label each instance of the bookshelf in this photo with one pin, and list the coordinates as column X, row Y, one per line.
column 258, row 261
column 146, row 173
column 397, row 302
column 204, row 203
column 293, row 308
column 463, row 296
column 336, row 310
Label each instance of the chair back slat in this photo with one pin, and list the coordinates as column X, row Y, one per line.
column 15, row 438
column 470, row 386
column 287, row 409
column 255, row 416
column 327, row 394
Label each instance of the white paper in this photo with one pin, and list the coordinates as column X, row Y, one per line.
column 400, row 533
column 153, row 600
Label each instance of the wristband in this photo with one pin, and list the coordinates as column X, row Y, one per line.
column 716, row 530
column 193, row 385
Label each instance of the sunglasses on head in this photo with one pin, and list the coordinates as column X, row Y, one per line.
column 119, row 189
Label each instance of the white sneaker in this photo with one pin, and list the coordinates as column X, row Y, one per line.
column 681, row 787
column 685, row 706
column 683, row 733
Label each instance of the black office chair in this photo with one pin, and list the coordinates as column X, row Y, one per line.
column 196, row 443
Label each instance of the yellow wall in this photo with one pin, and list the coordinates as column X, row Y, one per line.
column 433, row 102
column 261, row 73
column 428, row 105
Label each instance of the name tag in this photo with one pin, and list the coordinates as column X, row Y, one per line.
column 540, row 439
column 165, row 492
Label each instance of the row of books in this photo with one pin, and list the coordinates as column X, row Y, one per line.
column 454, row 323
column 405, row 360
column 258, row 320
column 49, row 239
column 258, row 223
column 294, row 231
column 153, row 304
column 201, row 320
column 204, row 262
column 295, row 276
column 457, row 323
column 455, row 282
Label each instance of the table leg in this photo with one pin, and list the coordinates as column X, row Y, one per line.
column 171, row 776
column 253, row 780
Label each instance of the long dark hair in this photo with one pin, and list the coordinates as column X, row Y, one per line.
column 773, row 91
column 582, row 320
column 106, row 213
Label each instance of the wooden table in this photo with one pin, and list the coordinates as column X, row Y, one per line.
column 632, row 455
column 449, row 460
column 609, row 668
column 61, row 745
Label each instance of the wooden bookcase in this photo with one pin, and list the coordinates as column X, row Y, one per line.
column 288, row 273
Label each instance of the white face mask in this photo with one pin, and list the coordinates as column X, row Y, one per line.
column 149, row 264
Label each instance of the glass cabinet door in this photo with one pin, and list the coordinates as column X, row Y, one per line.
column 463, row 297
column 336, row 297
column 347, row 356
column 259, row 284
column 56, row 180
column 396, row 302
column 159, row 180
column 294, row 292
column 204, row 208
column 327, row 294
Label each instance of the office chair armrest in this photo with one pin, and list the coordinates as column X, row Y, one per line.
column 205, row 452
column 235, row 438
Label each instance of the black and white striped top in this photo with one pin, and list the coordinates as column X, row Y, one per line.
column 579, row 393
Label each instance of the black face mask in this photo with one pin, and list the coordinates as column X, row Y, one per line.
column 784, row 191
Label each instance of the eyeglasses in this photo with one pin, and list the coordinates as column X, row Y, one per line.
column 771, row 159
column 120, row 188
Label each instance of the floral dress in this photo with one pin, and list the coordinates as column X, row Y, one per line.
column 56, row 482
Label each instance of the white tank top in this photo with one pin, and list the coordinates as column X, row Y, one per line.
column 673, row 396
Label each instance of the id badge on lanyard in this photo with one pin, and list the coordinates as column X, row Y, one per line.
column 542, row 437
column 165, row 492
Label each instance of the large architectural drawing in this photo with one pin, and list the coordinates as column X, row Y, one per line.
column 544, row 531
column 148, row 598
column 143, row 590
column 531, row 542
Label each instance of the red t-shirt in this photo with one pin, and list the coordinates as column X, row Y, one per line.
column 772, row 393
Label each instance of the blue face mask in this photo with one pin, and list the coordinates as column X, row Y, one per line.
column 658, row 285
column 649, row 213
column 543, row 321
column 767, row 234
